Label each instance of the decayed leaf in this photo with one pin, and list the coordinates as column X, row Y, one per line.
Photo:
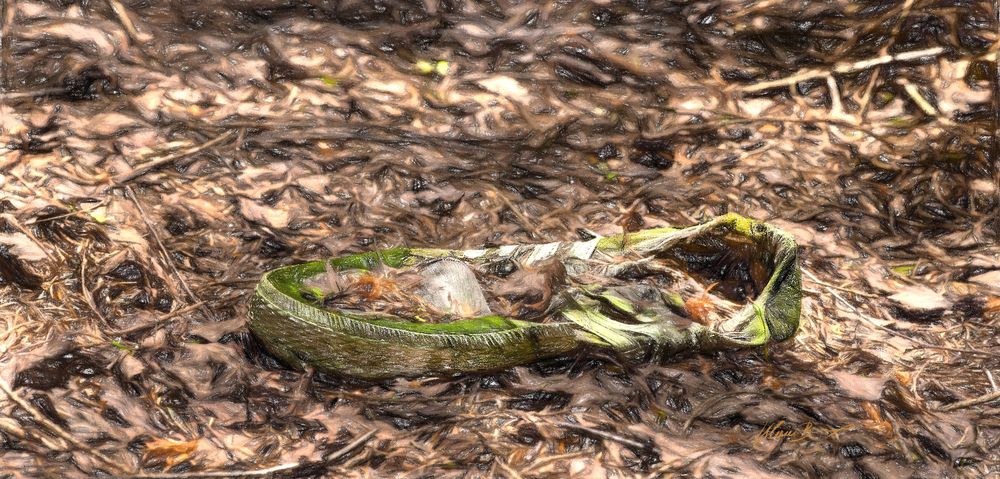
column 169, row 451
column 990, row 279
column 919, row 303
column 272, row 217
column 506, row 86
column 106, row 124
column 22, row 246
column 314, row 183
column 869, row 389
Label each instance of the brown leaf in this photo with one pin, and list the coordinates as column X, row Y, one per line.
column 169, row 451
column 875, row 421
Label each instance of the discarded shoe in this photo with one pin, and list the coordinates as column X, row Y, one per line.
column 731, row 282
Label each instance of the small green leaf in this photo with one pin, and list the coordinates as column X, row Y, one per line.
column 904, row 270
column 329, row 80
column 442, row 68
column 100, row 215
column 424, row 67
column 902, row 121
column 118, row 344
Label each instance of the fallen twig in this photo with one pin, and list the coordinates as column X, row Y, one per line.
column 58, row 431
column 126, row 22
column 257, row 472
column 607, row 435
column 511, row 472
column 812, row 73
column 166, row 255
column 84, row 289
column 351, row 446
column 985, row 398
column 191, row 475
column 152, row 165
column 525, row 222
column 846, row 290
column 541, row 461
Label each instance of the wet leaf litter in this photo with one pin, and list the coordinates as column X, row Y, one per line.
column 255, row 135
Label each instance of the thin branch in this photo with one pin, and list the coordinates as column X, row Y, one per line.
column 163, row 249
column 511, row 472
column 846, row 290
column 351, row 446
column 152, row 165
column 191, row 475
column 6, row 19
column 812, row 73
column 985, row 398
column 126, row 22
column 607, row 435
column 87, row 295
column 917, row 98
column 254, row 473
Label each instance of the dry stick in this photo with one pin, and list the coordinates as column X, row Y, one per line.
column 67, row 215
column 919, row 99
column 171, row 315
column 351, row 446
column 31, row 94
column 152, row 165
column 846, row 290
column 186, row 475
column 255, row 473
column 126, row 22
column 872, row 322
column 985, row 398
column 511, row 472
column 87, row 295
column 607, row 435
column 867, row 95
column 811, row 73
column 59, row 431
column 166, row 255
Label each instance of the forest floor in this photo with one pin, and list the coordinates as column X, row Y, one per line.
column 157, row 158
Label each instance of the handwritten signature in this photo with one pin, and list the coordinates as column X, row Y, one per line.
column 796, row 433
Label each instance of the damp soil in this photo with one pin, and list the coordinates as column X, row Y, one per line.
column 158, row 157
